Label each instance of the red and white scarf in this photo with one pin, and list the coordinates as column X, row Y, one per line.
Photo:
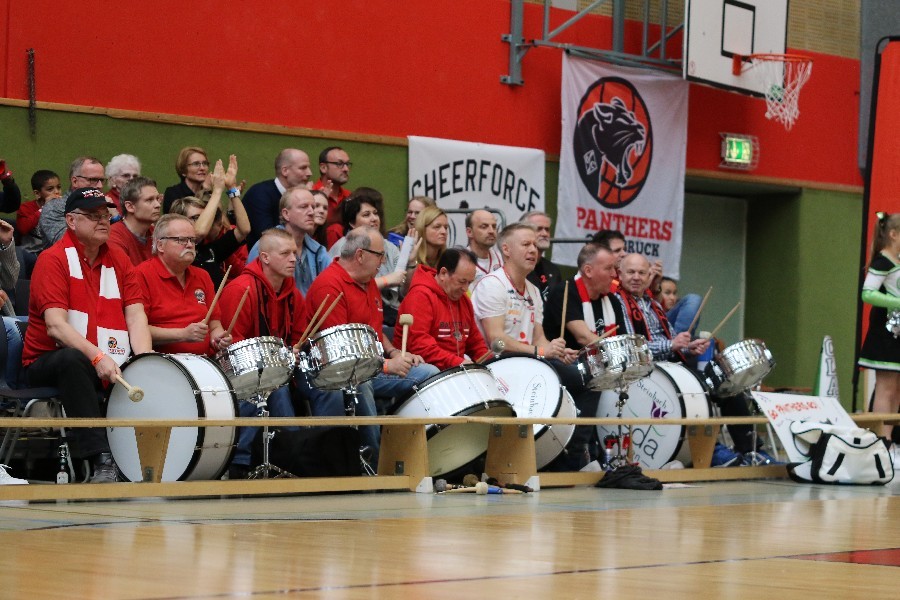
column 100, row 320
column 587, row 308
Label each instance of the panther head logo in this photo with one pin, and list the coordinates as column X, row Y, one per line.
column 613, row 141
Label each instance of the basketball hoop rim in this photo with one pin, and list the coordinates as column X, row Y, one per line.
column 738, row 60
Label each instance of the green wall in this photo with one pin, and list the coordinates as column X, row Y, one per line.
column 801, row 254
column 802, row 273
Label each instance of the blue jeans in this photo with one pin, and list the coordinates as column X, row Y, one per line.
column 279, row 406
column 681, row 315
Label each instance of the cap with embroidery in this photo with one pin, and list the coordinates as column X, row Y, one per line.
column 86, row 199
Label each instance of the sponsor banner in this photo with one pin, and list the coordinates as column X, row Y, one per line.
column 622, row 159
column 784, row 409
column 472, row 175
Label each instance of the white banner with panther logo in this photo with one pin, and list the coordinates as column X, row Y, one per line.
column 622, row 160
column 507, row 179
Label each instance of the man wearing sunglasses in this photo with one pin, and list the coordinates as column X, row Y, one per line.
column 334, row 173
column 85, row 318
column 85, row 172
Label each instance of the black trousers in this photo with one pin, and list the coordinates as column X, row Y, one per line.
column 80, row 392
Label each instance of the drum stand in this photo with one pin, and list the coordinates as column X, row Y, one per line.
column 262, row 471
column 351, row 399
column 621, row 458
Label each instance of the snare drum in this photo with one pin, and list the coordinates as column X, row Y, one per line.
column 342, row 355
column 460, row 391
column 532, row 387
column 671, row 391
column 604, row 364
column 739, row 367
column 176, row 386
column 243, row 360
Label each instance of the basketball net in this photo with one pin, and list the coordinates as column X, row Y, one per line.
column 781, row 76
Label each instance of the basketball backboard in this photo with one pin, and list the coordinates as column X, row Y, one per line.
column 716, row 30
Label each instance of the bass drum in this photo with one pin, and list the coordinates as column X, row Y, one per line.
column 671, row 391
column 466, row 390
column 532, row 387
column 176, row 386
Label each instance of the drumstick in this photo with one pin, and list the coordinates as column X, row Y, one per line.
column 405, row 320
column 218, row 293
column 699, row 310
column 135, row 394
column 562, row 321
column 607, row 333
column 325, row 316
column 237, row 312
column 311, row 321
column 484, row 356
column 728, row 316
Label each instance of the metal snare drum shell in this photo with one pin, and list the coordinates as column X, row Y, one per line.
column 344, row 355
column 615, row 361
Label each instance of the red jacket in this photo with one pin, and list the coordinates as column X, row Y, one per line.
column 443, row 331
column 281, row 312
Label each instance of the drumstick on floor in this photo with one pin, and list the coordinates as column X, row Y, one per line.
column 728, row 316
column 311, row 321
column 237, row 312
column 562, row 321
column 135, row 394
column 315, row 328
column 218, row 293
column 700, row 310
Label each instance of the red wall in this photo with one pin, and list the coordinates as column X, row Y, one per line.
column 378, row 67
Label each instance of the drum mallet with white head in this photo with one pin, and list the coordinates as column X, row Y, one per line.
column 135, row 394
column 406, row 320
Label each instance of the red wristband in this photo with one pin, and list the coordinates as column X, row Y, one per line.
column 97, row 359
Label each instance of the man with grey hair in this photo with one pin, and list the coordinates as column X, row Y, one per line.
column 85, row 172
column 141, row 203
column 545, row 273
column 121, row 169
column 177, row 295
column 296, row 209
column 292, row 169
column 352, row 278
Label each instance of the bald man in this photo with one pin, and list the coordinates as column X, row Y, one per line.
column 292, row 169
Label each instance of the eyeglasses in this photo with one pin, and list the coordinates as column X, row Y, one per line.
column 183, row 241
column 95, row 217
column 339, row 163
column 198, row 163
column 380, row 255
column 93, row 180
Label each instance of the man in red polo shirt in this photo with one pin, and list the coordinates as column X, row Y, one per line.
column 353, row 273
column 141, row 205
column 177, row 295
column 85, row 318
column 334, row 173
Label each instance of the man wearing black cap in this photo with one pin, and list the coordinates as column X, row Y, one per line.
column 85, row 319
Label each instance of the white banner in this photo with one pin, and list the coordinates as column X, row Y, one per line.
column 504, row 178
column 784, row 409
column 622, row 159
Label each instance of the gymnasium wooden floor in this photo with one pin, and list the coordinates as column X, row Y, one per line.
column 746, row 539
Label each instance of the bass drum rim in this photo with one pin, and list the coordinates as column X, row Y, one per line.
column 539, row 428
column 679, row 394
column 201, row 412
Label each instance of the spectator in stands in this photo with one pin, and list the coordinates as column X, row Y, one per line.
column 545, row 273
column 192, row 166
column 141, row 202
column 46, row 186
column 334, row 173
column 121, row 169
column 262, row 199
column 297, row 218
column 320, row 215
column 85, row 171
column 415, row 205
column 432, row 227
column 481, row 230
column 11, row 196
column 207, row 215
